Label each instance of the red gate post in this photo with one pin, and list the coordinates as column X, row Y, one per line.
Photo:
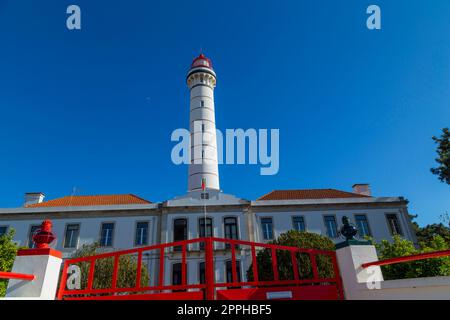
column 41, row 263
column 209, row 268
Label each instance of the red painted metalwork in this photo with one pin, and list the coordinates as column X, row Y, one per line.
column 415, row 257
column 44, row 236
column 319, row 292
column 313, row 288
column 39, row 252
column 19, row 276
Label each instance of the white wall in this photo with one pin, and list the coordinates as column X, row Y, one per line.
column 314, row 221
column 433, row 288
column 123, row 238
column 217, row 221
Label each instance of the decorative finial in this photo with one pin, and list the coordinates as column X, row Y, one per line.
column 44, row 236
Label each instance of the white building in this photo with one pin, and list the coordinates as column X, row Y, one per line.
column 125, row 221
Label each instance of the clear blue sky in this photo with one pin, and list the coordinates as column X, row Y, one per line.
column 95, row 108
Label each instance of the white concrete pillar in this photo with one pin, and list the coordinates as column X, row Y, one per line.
column 45, row 265
column 355, row 279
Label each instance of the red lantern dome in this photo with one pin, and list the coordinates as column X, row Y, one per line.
column 201, row 61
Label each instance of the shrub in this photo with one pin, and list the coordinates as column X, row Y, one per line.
column 103, row 272
column 298, row 239
column 416, row 269
column 8, row 250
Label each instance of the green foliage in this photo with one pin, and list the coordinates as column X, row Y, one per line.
column 103, row 272
column 443, row 151
column 426, row 234
column 416, row 269
column 445, row 218
column 298, row 239
column 8, row 250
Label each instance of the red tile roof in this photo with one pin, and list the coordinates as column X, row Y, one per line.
column 309, row 194
column 100, row 200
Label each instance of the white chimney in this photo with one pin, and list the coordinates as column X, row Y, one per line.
column 362, row 188
column 33, row 198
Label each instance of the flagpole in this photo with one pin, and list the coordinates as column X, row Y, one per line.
column 204, row 201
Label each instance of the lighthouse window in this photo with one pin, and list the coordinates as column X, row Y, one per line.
column 202, row 103
column 203, row 128
column 71, row 238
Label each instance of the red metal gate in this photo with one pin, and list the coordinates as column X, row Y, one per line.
column 318, row 285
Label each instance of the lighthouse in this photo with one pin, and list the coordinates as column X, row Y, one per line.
column 203, row 169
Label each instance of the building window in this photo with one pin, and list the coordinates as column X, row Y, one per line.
column 176, row 274
column 201, row 272
column 72, row 235
column 330, row 224
column 204, row 230
column 229, row 274
column 299, row 223
column 362, row 225
column 3, row 230
column 267, row 228
column 204, row 195
column 179, row 231
column 202, row 103
column 231, row 229
column 203, row 127
column 141, row 233
column 106, row 235
column 394, row 224
column 33, row 229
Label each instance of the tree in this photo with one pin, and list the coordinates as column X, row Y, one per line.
column 416, row 269
column 445, row 218
column 298, row 239
column 425, row 235
column 103, row 272
column 443, row 151
column 8, row 251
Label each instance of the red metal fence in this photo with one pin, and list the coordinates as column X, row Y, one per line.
column 296, row 287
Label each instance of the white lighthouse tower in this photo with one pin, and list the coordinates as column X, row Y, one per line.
column 203, row 170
